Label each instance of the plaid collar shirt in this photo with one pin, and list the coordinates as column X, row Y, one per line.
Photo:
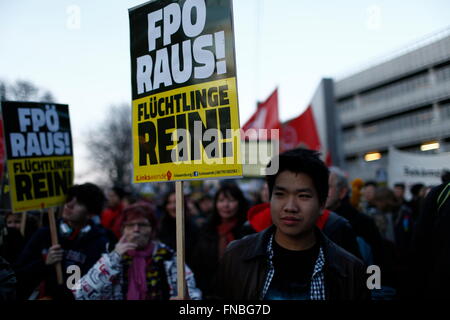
column 317, row 284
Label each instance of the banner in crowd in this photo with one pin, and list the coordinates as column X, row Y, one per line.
column 39, row 153
column 410, row 168
column 185, row 109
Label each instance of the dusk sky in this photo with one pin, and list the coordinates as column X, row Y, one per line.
column 79, row 50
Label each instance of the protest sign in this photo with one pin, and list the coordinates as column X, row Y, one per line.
column 185, row 107
column 4, row 187
column 411, row 168
column 39, row 153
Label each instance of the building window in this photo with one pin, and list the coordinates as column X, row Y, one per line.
column 443, row 74
column 349, row 135
column 406, row 121
column 396, row 89
column 346, row 105
column 445, row 110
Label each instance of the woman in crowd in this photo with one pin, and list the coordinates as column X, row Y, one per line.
column 227, row 223
column 139, row 268
column 167, row 228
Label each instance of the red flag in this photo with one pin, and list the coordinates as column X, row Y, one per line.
column 300, row 132
column 328, row 160
column 266, row 115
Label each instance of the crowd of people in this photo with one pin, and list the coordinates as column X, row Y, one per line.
column 307, row 233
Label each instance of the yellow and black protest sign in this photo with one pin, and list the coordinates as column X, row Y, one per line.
column 39, row 154
column 185, row 105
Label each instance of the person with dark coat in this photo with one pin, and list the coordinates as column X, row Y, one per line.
column 7, row 281
column 339, row 230
column 368, row 193
column 399, row 191
column 227, row 223
column 364, row 226
column 417, row 199
column 167, row 232
column 11, row 243
column 430, row 262
column 81, row 243
column 293, row 259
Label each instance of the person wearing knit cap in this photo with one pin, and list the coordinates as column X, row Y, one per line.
column 139, row 268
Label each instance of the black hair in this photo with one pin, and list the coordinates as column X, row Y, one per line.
column 371, row 183
column 302, row 161
column 230, row 189
column 399, row 184
column 89, row 195
column 445, row 176
column 415, row 189
column 121, row 193
column 165, row 201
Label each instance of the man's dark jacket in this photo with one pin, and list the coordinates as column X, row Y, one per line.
column 339, row 230
column 364, row 227
column 430, row 265
column 243, row 269
column 83, row 251
column 7, row 281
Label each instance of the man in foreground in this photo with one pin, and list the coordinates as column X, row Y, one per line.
column 292, row 260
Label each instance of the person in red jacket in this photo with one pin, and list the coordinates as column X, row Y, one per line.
column 112, row 215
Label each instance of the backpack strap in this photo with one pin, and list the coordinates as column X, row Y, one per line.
column 443, row 196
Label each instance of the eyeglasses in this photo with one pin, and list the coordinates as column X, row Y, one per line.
column 139, row 224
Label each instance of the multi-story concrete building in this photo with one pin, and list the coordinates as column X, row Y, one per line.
column 403, row 101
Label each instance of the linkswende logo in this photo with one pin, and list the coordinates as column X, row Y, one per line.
column 217, row 147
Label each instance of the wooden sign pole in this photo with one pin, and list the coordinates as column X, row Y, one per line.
column 23, row 223
column 54, row 237
column 41, row 218
column 181, row 279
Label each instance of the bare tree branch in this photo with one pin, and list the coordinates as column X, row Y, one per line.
column 109, row 145
column 23, row 90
